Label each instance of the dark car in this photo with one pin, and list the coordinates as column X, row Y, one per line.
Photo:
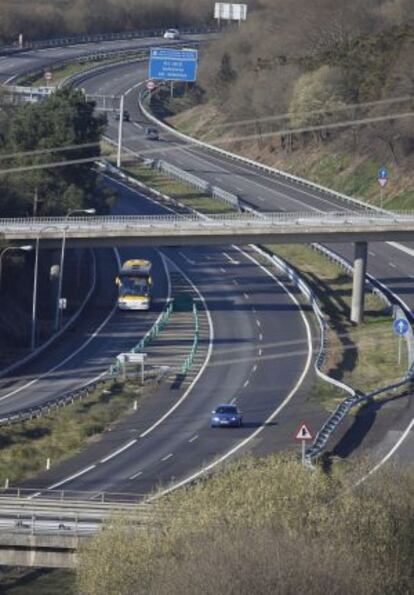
column 152, row 133
column 125, row 118
column 226, row 416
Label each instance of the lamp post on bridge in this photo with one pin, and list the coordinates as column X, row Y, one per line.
column 62, row 261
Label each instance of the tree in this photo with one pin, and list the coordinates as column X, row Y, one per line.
column 66, row 119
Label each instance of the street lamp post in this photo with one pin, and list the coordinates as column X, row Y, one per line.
column 62, row 262
column 24, row 248
column 35, row 275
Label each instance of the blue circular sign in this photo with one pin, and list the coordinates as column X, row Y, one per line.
column 383, row 174
column 400, row 326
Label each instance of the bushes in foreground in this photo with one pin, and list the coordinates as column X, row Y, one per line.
column 263, row 526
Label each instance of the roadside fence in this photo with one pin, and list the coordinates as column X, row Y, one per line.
column 190, row 358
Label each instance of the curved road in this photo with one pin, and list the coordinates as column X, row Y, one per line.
column 390, row 263
column 263, row 192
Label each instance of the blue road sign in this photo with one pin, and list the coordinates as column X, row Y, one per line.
column 400, row 326
column 383, row 174
column 173, row 65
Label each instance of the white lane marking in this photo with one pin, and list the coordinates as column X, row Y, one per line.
column 136, row 475
column 222, row 270
column 187, row 260
column 259, row 324
column 168, row 457
column 391, row 264
column 371, row 253
column 254, row 368
column 260, row 351
column 118, row 452
column 233, row 401
column 274, row 414
column 137, row 125
column 74, row 476
column 260, row 337
column 235, row 282
column 246, row 383
column 66, row 360
column 203, row 367
column 128, row 91
column 239, row 188
column 230, row 258
column 389, row 453
column 193, row 438
column 246, row 295
column 253, row 310
column 401, row 248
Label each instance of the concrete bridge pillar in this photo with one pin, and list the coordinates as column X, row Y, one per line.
column 358, row 288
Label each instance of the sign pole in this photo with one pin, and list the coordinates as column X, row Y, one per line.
column 121, row 120
column 172, row 89
column 399, row 350
column 303, row 451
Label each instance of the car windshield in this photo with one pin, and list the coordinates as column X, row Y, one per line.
column 227, row 409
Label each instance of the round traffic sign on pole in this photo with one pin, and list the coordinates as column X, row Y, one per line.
column 48, row 75
column 150, row 85
column 400, row 326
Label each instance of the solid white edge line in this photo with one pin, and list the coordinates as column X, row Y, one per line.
column 67, row 359
column 274, row 414
column 132, row 442
column 118, row 451
column 206, row 361
column 74, row 476
column 389, row 454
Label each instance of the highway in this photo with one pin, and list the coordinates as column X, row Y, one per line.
column 241, row 324
column 389, row 262
column 257, row 360
column 27, row 61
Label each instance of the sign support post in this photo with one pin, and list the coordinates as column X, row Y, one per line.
column 382, row 181
column 121, row 121
column 303, row 435
column 401, row 327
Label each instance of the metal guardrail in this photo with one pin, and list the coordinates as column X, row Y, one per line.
column 83, row 39
column 154, row 331
column 194, row 347
column 355, row 203
column 192, row 180
column 70, row 396
column 354, row 398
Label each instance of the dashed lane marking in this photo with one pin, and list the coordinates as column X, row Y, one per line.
column 136, row 475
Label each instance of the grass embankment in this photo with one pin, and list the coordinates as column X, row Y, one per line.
column 263, row 526
column 363, row 356
column 177, row 190
column 25, row 446
column 334, row 165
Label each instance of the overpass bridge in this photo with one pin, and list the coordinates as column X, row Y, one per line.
column 241, row 228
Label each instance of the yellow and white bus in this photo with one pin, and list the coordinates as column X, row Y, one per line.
column 134, row 285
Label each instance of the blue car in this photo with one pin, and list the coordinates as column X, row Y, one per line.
column 226, row 416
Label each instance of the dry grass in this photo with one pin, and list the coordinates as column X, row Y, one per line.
column 263, row 526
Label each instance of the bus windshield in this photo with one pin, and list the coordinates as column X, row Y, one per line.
column 133, row 286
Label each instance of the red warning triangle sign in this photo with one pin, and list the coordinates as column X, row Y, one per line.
column 303, row 433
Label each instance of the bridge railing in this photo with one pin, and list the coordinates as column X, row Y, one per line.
column 193, row 221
